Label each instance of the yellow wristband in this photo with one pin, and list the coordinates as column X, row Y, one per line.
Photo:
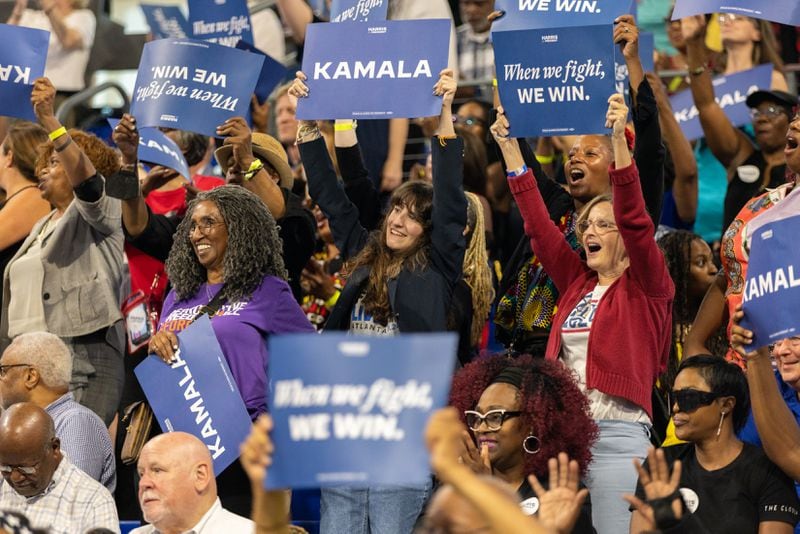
column 256, row 166
column 344, row 126
column 494, row 82
column 55, row 134
column 545, row 160
column 331, row 302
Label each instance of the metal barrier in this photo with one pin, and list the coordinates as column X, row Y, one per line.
column 66, row 107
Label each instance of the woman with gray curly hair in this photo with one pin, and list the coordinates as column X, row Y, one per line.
column 228, row 244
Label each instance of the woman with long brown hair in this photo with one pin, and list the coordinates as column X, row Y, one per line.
column 401, row 279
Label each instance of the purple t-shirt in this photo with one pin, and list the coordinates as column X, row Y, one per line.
column 241, row 328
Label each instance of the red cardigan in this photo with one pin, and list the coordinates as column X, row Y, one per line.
column 631, row 332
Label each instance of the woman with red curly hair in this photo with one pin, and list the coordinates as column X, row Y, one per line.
column 521, row 412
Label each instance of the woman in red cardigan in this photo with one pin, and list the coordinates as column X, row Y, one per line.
column 613, row 323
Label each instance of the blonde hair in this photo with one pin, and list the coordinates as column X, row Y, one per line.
column 477, row 274
column 584, row 214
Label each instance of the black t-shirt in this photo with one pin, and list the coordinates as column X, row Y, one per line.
column 737, row 497
column 530, row 505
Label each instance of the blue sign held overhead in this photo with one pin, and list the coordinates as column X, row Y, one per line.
column 780, row 11
column 730, row 92
column 531, row 14
column 555, row 81
column 166, row 21
column 359, row 10
column 20, row 65
column 224, row 22
column 343, row 404
column 197, row 394
column 193, row 85
column 773, row 282
column 272, row 72
column 366, row 70
column 156, row 148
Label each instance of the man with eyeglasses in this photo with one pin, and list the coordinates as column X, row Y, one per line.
column 41, row 483
column 36, row 368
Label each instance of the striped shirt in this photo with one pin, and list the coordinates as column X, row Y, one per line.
column 73, row 503
column 475, row 55
column 84, row 439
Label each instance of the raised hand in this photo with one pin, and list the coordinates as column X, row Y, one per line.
column 299, row 89
column 443, row 439
column 500, row 128
column 658, row 483
column 694, row 28
column 42, row 98
column 126, row 137
column 617, row 115
column 560, row 505
column 626, row 34
column 256, row 451
column 477, row 460
column 237, row 134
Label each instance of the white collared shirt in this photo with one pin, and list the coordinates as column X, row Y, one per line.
column 216, row 520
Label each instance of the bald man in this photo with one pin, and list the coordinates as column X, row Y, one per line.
column 41, row 483
column 178, row 492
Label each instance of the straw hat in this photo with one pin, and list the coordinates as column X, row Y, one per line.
column 267, row 149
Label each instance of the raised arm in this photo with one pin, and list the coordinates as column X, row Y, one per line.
column 710, row 317
column 135, row 214
column 324, row 186
column 626, row 34
column 296, row 14
column 238, row 135
column 726, row 142
column 76, row 164
column 70, row 37
column 647, row 263
column 777, row 427
column 449, row 211
column 560, row 262
column 685, row 185
column 357, row 182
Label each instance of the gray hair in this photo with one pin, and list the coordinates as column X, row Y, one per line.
column 45, row 351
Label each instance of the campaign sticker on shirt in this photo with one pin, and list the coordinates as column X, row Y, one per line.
column 530, row 506
column 748, row 173
column 690, row 498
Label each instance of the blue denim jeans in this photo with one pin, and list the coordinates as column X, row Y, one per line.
column 611, row 473
column 376, row 510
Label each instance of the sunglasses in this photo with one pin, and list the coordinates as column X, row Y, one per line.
column 770, row 112
column 689, row 400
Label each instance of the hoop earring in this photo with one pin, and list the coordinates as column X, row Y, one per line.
column 721, row 419
column 531, row 448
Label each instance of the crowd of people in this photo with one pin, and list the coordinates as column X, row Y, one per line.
column 604, row 381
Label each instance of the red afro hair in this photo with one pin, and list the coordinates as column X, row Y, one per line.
column 553, row 406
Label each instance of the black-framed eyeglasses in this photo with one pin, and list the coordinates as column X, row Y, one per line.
column 689, row 400
column 769, row 112
column 494, row 419
column 4, row 368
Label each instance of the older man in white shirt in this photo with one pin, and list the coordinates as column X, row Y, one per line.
column 178, row 492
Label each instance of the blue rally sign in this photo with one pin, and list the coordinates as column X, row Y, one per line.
column 773, row 282
column 156, row 148
column 555, row 81
column 358, row 10
column 781, row 11
column 166, row 21
column 193, row 85
column 530, row 14
column 21, row 62
column 365, row 70
column 730, row 92
column 272, row 72
column 224, row 22
column 342, row 405
column 197, row 394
